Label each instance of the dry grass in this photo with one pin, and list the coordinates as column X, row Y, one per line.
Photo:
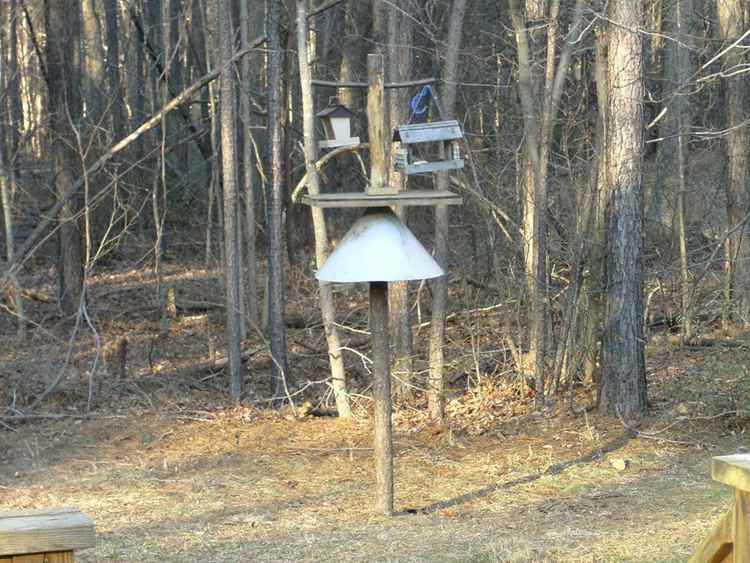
column 170, row 473
column 252, row 487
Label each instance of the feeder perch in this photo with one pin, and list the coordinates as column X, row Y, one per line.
column 437, row 141
column 337, row 123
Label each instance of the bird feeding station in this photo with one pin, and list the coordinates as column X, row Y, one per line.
column 379, row 249
column 433, row 139
column 427, row 147
column 337, row 124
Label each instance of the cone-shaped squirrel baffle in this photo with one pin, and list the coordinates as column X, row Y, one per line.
column 379, row 247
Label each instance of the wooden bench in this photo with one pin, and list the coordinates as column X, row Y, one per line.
column 44, row 536
column 730, row 540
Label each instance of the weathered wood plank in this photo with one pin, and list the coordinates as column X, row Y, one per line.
column 428, row 132
column 717, row 547
column 732, row 470
column 360, row 199
column 45, row 531
column 376, row 124
column 54, row 557
column 741, row 549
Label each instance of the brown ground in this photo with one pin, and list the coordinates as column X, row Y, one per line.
column 169, row 472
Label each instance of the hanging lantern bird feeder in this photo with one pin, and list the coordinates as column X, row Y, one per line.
column 337, row 124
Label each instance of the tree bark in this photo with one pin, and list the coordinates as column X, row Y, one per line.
column 737, row 273
column 250, row 177
column 622, row 389
column 64, row 98
column 534, row 188
column 277, row 330
column 6, row 196
column 113, row 70
column 327, row 304
column 225, row 31
column 399, row 68
column 436, row 389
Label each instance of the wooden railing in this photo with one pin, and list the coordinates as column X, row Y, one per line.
column 44, row 536
column 730, row 540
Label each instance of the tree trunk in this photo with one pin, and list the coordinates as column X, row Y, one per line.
column 6, row 197
column 250, row 177
column 225, row 31
column 737, row 298
column 679, row 70
column 622, row 388
column 399, row 68
column 436, row 388
column 534, row 188
column 277, row 330
column 94, row 81
column 327, row 304
column 113, row 72
column 594, row 287
column 64, row 98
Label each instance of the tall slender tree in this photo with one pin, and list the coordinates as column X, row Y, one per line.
column 737, row 271
column 228, row 109
column 622, row 388
column 276, row 326
column 440, row 285
column 63, row 64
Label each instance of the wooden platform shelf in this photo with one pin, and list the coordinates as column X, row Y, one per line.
column 44, row 536
column 361, row 199
column 730, row 540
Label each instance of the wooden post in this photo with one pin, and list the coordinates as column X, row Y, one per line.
column 44, row 536
column 381, row 355
column 730, row 540
column 376, row 127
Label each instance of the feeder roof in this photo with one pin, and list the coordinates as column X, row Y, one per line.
column 336, row 111
column 428, row 132
column 379, row 247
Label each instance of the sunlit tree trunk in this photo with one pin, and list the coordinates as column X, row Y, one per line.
column 225, row 31
column 277, row 329
column 737, row 272
column 327, row 305
column 398, row 68
column 622, row 388
column 436, row 396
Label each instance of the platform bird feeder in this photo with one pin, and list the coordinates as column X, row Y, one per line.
column 428, row 147
column 379, row 249
column 337, row 123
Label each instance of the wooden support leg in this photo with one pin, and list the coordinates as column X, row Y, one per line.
column 741, row 551
column 382, row 392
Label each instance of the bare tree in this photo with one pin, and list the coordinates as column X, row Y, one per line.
column 225, row 31
column 277, row 329
column 737, row 252
column 63, row 65
column 327, row 304
column 440, row 285
column 622, row 388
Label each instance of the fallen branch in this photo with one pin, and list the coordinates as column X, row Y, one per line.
column 209, row 366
